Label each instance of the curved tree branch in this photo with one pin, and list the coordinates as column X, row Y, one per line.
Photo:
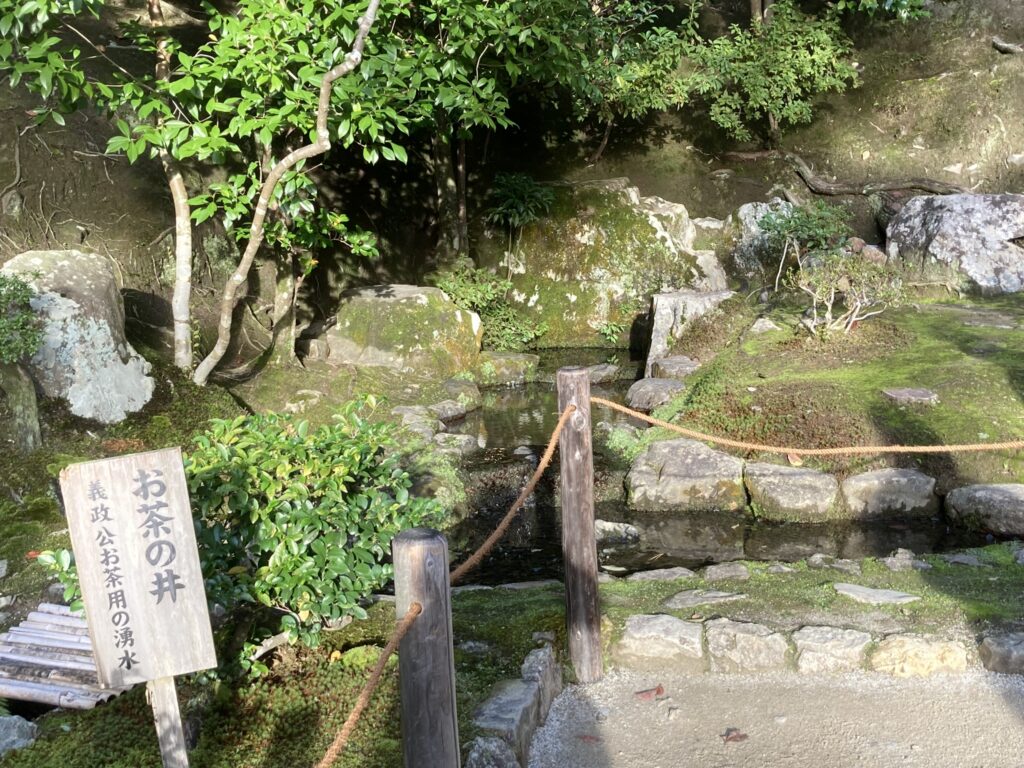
column 256, row 231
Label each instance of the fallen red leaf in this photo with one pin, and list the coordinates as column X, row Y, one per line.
column 733, row 734
column 588, row 738
column 651, row 693
column 31, row 555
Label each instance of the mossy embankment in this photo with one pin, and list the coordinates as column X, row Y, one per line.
column 785, row 388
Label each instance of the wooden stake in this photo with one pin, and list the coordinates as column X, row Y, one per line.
column 579, row 542
column 164, row 699
column 426, row 659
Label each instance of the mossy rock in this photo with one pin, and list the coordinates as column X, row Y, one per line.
column 597, row 258
column 407, row 328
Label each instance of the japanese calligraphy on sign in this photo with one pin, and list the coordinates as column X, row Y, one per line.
column 131, row 529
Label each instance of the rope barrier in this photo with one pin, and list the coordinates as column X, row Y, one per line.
column 341, row 740
column 339, row 743
column 1011, row 445
column 477, row 557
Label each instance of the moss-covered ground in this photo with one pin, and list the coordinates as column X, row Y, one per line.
column 785, row 388
column 291, row 716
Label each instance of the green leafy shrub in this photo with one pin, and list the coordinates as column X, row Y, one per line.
column 770, row 73
column 611, row 331
column 485, row 293
column 518, row 200
column 20, row 335
column 294, row 519
column 818, row 227
column 300, row 520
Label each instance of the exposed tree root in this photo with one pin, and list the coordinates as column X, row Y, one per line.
column 1004, row 47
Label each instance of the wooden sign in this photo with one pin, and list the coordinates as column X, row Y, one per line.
column 135, row 547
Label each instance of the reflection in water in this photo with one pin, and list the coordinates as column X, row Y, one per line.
column 525, row 416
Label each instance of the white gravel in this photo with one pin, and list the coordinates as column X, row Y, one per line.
column 862, row 720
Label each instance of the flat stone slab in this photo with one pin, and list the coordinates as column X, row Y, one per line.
column 962, row 558
column 676, row 367
column 512, row 713
column 691, row 598
column 790, row 493
column 1000, row 508
column 541, row 667
column 456, row 445
column 823, row 562
column 911, row 396
column 736, row 646
column 491, row 752
column 685, row 476
column 647, row 394
column 662, row 574
column 918, row 656
column 829, row 649
column 874, row 596
column 602, row 372
column 1003, row 653
column 726, row 571
column 889, row 492
column 652, row 641
column 449, row 410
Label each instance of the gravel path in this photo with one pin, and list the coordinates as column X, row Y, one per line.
column 969, row 721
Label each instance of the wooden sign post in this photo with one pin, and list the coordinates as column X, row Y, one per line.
column 135, row 547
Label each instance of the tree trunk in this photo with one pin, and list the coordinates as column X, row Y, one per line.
column 756, row 10
column 322, row 143
column 463, row 202
column 284, row 311
column 604, row 142
column 448, row 245
column 181, row 301
column 182, row 298
column 21, row 401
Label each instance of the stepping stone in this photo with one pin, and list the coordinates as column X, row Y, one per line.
column 736, row 646
column 647, row 394
column 792, row 494
column 1019, row 557
column 779, row 568
column 1003, row 653
column 820, row 562
column 918, row 656
column 662, row 574
column 685, row 476
column 903, row 560
column 654, row 641
column 964, row 559
column 999, row 508
column 874, row 596
column 677, row 367
column 910, row 396
column 764, row 325
column 448, row 410
column 691, row 598
column 725, row 571
column 828, row 649
column 888, row 492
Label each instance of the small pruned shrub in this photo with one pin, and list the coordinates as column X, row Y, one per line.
column 518, row 200
column 845, row 290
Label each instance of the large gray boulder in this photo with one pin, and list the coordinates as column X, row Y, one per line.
column 751, row 251
column 970, row 235
column 885, row 493
column 685, row 476
column 1000, row 508
column 407, row 328
column 791, row 493
column 84, row 358
column 672, row 313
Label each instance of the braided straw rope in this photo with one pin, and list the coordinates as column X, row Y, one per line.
column 1011, row 445
column 341, row 740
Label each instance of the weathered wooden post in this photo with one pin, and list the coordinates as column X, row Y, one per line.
column 579, row 543
column 426, row 659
